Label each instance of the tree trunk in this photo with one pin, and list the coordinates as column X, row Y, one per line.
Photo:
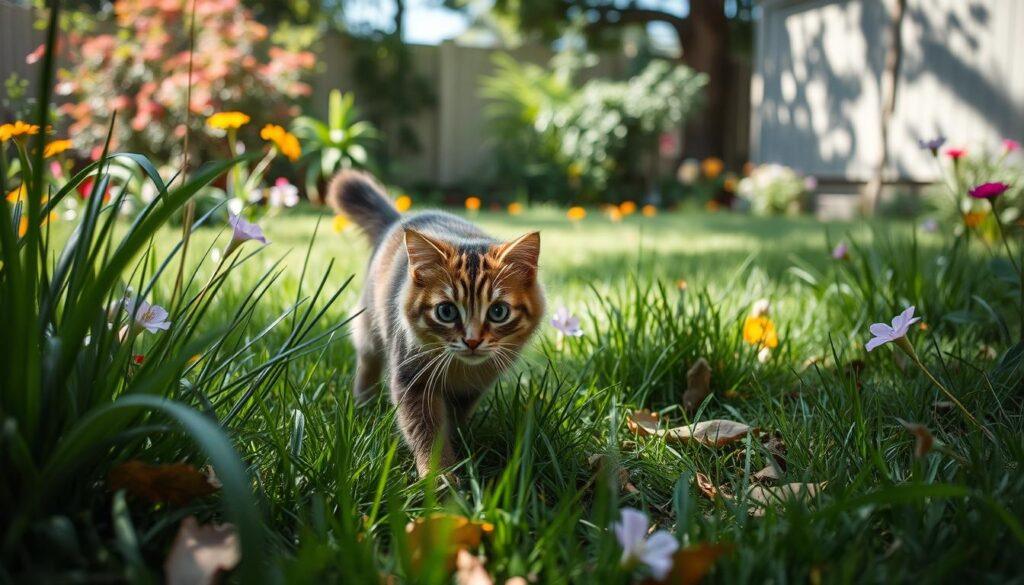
column 889, row 82
column 705, row 46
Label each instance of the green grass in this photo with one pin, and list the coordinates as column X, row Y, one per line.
column 336, row 486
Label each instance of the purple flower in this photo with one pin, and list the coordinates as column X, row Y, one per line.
column 243, row 232
column 654, row 552
column 152, row 318
column 989, row 190
column 841, row 251
column 930, row 225
column 566, row 323
column 933, row 144
column 892, row 333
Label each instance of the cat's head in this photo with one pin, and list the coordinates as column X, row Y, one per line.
column 479, row 302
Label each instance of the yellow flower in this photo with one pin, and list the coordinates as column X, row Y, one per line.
column 473, row 203
column 403, row 203
column 712, row 167
column 759, row 330
column 681, row 284
column 285, row 141
column 17, row 194
column 576, row 213
column 18, row 128
column 627, row 208
column 730, row 184
column 974, row 218
column 339, row 223
column 56, row 147
column 515, row 208
column 227, row 120
column 649, row 210
column 614, row 214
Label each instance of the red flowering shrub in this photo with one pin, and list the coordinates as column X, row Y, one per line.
column 141, row 71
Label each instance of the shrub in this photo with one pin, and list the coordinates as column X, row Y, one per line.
column 142, row 72
column 773, row 189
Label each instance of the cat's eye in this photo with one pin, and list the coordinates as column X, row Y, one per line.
column 446, row 312
column 498, row 312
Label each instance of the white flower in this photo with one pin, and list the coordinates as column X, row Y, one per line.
column 150, row 317
column 887, row 333
column 761, row 308
column 566, row 323
column 654, row 552
column 283, row 194
column 235, row 206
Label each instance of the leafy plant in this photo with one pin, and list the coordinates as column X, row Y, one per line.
column 338, row 143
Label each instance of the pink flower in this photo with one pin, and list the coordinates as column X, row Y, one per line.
column 566, row 323
column 1010, row 146
column 956, row 153
column 841, row 251
column 152, row 318
column 892, row 333
column 243, row 231
column 989, row 190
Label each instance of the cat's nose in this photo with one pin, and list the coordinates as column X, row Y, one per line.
column 472, row 343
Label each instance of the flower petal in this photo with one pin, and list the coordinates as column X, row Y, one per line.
column 875, row 342
column 631, row 528
column 657, row 553
column 881, row 330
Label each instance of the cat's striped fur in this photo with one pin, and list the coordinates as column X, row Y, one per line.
column 446, row 309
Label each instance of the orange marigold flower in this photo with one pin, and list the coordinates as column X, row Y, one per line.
column 56, row 147
column 403, row 203
column 285, row 141
column 17, row 128
column 712, row 167
column 515, row 208
column 227, row 120
column 614, row 213
column 473, row 203
column 760, row 331
column 627, row 208
column 649, row 210
column 576, row 213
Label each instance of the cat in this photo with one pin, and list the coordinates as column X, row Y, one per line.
column 445, row 307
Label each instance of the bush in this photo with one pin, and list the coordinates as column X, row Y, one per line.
column 142, row 72
column 772, row 190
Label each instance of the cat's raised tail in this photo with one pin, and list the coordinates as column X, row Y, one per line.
column 363, row 200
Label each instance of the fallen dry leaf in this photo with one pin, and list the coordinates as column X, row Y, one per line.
column 176, row 483
column 769, row 473
column 762, row 496
column 698, row 385
column 715, row 433
column 200, row 553
column 923, row 439
column 691, row 564
column 450, row 531
column 708, row 487
column 470, row 570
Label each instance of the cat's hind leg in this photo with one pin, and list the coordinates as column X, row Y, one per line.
column 369, row 360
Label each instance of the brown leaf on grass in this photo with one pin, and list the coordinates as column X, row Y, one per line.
column 200, row 553
column 470, row 570
column 691, row 564
column 769, row 473
column 923, row 439
column 715, row 433
column 698, row 385
column 448, row 532
column 175, row 483
column 762, row 496
column 708, row 487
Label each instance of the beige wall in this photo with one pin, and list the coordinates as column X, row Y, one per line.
column 815, row 90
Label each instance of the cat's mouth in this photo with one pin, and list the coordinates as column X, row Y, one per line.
column 472, row 357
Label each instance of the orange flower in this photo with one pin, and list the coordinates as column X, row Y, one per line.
column 576, row 213
column 712, row 167
column 18, row 128
column 760, row 331
column 515, row 208
column 712, row 206
column 729, row 185
column 285, row 141
column 56, row 147
column 339, row 223
column 473, row 203
column 23, row 224
column 403, row 203
column 614, row 213
column 649, row 210
column 227, row 120
column 17, row 194
column 974, row 218
column 627, row 208
column 681, row 284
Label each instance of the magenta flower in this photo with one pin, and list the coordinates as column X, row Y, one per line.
column 653, row 552
column 243, row 232
column 841, row 251
column 892, row 333
column 933, row 144
column 1010, row 146
column 566, row 323
column 989, row 190
column 956, row 153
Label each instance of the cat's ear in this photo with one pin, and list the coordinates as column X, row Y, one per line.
column 523, row 253
column 426, row 255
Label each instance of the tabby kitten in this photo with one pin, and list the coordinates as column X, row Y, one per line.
column 445, row 307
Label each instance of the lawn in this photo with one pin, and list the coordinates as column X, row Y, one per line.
column 550, row 457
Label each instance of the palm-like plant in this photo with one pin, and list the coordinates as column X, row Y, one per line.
column 339, row 143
